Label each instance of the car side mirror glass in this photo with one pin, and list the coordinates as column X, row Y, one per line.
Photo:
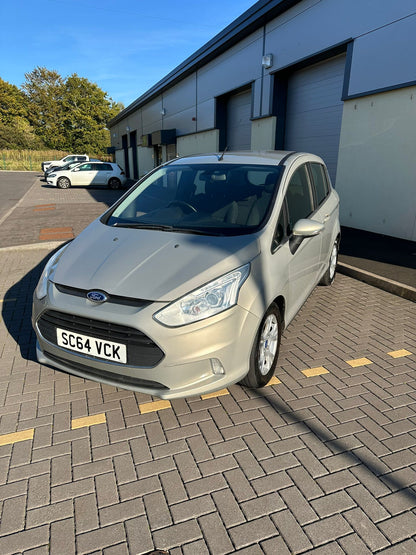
column 307, row 228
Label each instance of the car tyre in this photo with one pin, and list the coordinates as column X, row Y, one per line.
column 265, row 351
column 329, row 275
column 63, row 183
column 114, row 183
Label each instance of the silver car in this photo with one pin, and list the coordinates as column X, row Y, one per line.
column 185, row 285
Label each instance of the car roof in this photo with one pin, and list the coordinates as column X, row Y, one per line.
column 266, row 157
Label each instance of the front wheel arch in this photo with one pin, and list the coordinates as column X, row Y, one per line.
column 265, row 351
column 330, row 272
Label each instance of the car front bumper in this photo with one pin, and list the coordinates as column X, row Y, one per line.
column 197, row 358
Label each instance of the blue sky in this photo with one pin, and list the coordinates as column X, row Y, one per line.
column 123, row 46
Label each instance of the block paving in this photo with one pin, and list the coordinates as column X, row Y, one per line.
column 323, row 460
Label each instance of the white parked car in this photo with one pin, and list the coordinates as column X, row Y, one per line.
column 65, row 160
column 89, row 173
column 186, row 284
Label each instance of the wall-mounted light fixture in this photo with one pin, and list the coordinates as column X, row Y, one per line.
column 127, row 129
column 163, row 112
column 267, row 61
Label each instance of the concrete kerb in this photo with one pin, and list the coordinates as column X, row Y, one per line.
column 394, row 287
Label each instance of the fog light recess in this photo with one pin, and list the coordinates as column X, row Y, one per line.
column 216, row 366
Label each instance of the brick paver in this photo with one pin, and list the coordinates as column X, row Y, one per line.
column 322, row 462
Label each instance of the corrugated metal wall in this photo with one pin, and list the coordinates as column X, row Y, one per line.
column 314, row 110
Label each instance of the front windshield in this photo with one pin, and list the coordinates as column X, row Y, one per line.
column 224, row 199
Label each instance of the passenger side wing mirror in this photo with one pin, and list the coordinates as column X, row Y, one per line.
column 307, row 228
column 301, row 230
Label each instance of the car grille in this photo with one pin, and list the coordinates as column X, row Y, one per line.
column 141, row 350
column 111, row 376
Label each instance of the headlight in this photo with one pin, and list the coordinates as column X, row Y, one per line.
column 42, row 286
column 51, row 174
column 212, row 298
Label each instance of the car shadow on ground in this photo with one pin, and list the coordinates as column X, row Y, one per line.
column 100, row 194
column 17, row 310
column 368, row 469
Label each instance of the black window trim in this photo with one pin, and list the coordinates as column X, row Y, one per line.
column 283, row 210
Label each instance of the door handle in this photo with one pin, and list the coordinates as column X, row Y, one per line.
column 326, row 218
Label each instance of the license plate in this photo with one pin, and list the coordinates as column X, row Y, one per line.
column 108, row 350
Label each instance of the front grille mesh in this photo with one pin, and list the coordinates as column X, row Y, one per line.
column 141, row 350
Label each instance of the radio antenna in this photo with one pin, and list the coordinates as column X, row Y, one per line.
column 221, row 156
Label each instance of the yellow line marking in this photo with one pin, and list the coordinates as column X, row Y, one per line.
column 273, row 381
column 7, row 300
column 355, row 363
column 310, row 372
column 86, row 421
column 215, row 394
column 155, row 406
column 7, row 439
column 400, row 353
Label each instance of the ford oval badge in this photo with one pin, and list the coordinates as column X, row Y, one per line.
column 96, row 296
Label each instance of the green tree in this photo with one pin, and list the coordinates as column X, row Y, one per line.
column 18, row 135
column 15, row 129
column 43, row 89
column 69, row 114
column 86, row 112
column 13, row 102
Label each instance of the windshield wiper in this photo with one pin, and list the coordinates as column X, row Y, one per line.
column 138, row 225
column 168, row 228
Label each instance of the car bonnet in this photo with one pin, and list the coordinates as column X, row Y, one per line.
column 149, row 264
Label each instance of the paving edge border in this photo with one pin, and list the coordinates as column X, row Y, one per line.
column 34, row 246
column 400, row 289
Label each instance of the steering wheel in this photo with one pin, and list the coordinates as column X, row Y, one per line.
column 183, row 204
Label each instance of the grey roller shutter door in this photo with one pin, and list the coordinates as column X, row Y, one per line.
column 238, row 121
column 314, row 110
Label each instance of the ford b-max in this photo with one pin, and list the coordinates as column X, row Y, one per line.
column 184, row 286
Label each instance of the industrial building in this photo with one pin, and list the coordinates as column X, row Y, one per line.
column 333, row 77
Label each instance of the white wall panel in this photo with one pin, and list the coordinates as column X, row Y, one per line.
column 377, row 164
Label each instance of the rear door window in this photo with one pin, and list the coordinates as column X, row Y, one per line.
column 320, row 181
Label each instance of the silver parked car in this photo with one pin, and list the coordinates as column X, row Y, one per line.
column 184, row 286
